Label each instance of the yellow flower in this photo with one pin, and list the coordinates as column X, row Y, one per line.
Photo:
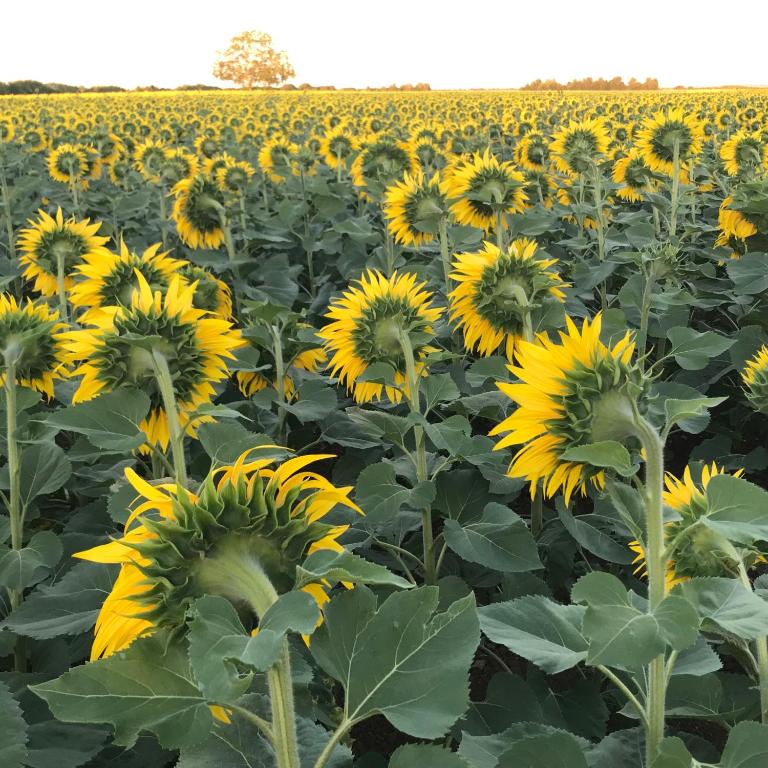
column 659, row 134
column 743, row 151
column 414, row 207
column 251, row 382
column 367, row 324
column 195, row 344
column 634, row 175
column 275, row 516
column 68, row 163
column 197, row 212
column 149, row 158
column 561, row 385
column 495, row 290
column 755, row 379
column 576, row 148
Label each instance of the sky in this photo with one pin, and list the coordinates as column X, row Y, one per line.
column 348, row 43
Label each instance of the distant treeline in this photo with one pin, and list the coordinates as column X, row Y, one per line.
column 18, row 87
column 588, row 84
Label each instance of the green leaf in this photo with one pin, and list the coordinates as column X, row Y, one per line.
column 147, row 688
column 673, row 754
column 63, row 745
column 678, row 411
column 110, row 421
column 44, row 468
column 586, row 530
column 224, row 443
column 344, row 566
column 693, row 350
column 426, row 756
column 747, row 746
column 552, row 750
column 509, row 699
column 13, row 731
column 538, row 629
column 607, row 453
column 499, row 540
column 439, row 388
column 485, row 751
column 380, row 496
column 69, row 607
column 726, row 605
column 315, row 400
column 21, row 568
column 402, row 660
column 737, row 509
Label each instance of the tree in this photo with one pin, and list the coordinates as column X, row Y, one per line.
column 250, row 60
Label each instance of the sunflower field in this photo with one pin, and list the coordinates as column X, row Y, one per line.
column 420, row 430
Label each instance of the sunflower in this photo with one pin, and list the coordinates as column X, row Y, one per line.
column 576, row 148
column 744, row 152
column 564, row 387
column 532, row 153
column 149, row 158
column 50, row 240
column 211, row 294
column 251, row 382
column 33, row 330
column 206, row 145
column 107, row 280
column 634, row 176
column 275, row 158
column 380, row 162
column 178, row 164
column 367, row 325
column 414, row 208
column 755, row 379
column 482, row 187
column 233, row 176
column 662, row 132
column 68, row 163
column 7, row 130
column 272, row 516
column 194, row 343
column 496, row 291
column 743, row 217
column 337, row 147
column 197, row 212
column 698, row 550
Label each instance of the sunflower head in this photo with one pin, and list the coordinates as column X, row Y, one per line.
column 178, row 164
column 233, row 176
column 211, row 293
column 577, row 147
column 532, row 153
column 497, row 291
column 275, row 158
column 664, row 131
column 263, row 516
column 197, row 212
column 755, row 379
column 380, row 162
column 367, row 326
column 743, row 216
column 636, row 178
column 483, row 187
column 117, row 351
column 107, row 280
column 414, row 208
column 149, row 158
column 68, row 163
column 50, row 240
column 572, row 393
column 29, row 342
column 743, row 153
column 337, row 147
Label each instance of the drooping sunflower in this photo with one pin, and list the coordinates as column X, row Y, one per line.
column 414, row 207
column 337, row 146
column 755, row 380
column 107, row 279
column 562, row 387
column 195, row 344
column 68, row 163
column 270, row 516
column 197, row 212
column 578, row 146
column 211, row 293
column 178, row 164
column 367, row 325
column 31, row 329
column 496, row 292
column 482, row 187
column 636, row 178
column 744, row 152
column 7, row 130
column 743, row 217
column 149, row 159
column 311, row 360
column 234, row 176
column 51, row 239
column 275, row 158
column 532, row 153
column 379, row 163
column 698, row 551
column 660, row 133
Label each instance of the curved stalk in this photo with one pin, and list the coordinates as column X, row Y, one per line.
column 168, row 394
column 337, row 736
column 619, row 683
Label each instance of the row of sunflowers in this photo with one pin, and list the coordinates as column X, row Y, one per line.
column 361, row 429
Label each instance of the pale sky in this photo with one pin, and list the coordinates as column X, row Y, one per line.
column 447, row 43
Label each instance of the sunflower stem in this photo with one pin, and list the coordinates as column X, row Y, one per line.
column 337, row 736
column 163, row 218
column 168, row 394
column 422, row 475
column 389, row 247
column 599, row 220
column 537, row 502
column 308, row 249
column 761, row 644
column 445, row 255
column 338, row 166
column 656, row 565
column 675, row 187
column 277, row 352
column 500, row 228
column 645, row 311
column 619, row 683
column 6, row 199
column 61, row 286
column 75, row 195
column 236, row 575
column 16, row 596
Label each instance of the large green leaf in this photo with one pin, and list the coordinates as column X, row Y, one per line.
column 499, row 540
column 747, row 746
column 20, row 568
column 149, row 687
column 737, row 509
column 344, row 566
column 673, row 754
column 63, row 745
column 13, row 731
column 551, row 750
column 538, row 629
column 44, row 468
column 110, row 421
column 426, row 756
column 608, row 454
column 693, row 350
column 69, row 607
column 402, row 660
